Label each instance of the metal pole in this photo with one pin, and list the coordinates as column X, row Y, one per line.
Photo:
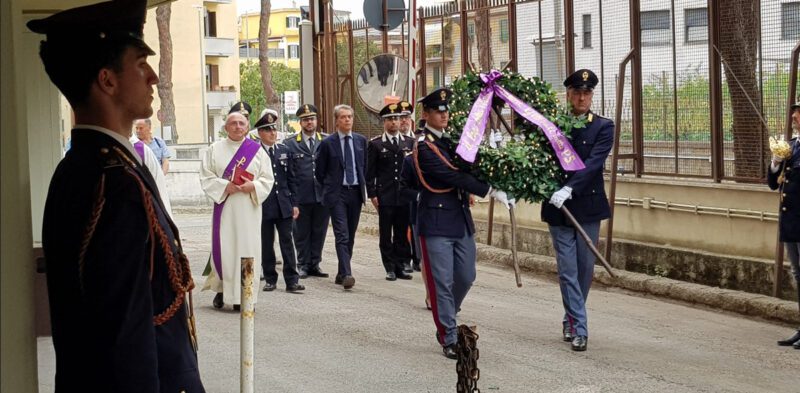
column 715, row 86
column 412, row 51
column 636, row 86
column 247, row 326
column 569, row 35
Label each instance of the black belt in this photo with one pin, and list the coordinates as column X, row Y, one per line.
column 353, row 187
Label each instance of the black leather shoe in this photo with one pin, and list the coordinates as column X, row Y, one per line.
column 295, row 287
column 302, row 273
column 391, row 276
column 338, row 280
column 317, row 273
column 450, row 351
column 348, row 282
column 791, row 340
column 567, row 333
column 579, row 343
column 796, row 345
column 416, row 267
column 407, row 267
column 269, row 287
column 236, row 307
column 218, row 303
column 404, row 276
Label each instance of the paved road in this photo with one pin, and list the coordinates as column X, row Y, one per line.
column 379, row 338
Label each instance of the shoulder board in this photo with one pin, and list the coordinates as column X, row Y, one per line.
column 375, row 138
column 421, row 138
column 601, row 116
column 431, row 138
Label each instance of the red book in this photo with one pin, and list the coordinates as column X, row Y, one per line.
column 240, row 176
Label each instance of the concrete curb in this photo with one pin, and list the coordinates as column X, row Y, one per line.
column 723, row 299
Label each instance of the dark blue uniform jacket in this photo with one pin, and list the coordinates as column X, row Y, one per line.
column 308, row 189
column 790, row 195
column 589, row 202
column 103, row 311
column 281, row 198
column 384, row 162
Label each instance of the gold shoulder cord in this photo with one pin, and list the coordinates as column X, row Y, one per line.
column 415, row 154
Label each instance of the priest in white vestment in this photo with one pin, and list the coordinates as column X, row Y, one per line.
column 240, row 218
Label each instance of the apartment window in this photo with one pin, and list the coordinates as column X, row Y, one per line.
column 504, row 30
column 471, row 32
column 437, row 76
column 275, row 53
column 210, row 24
column 696, row 20
column 655, row 28
column 212, row 77
column 294, row 51
column 790, row 21
column 587, row 30
column 292, row 22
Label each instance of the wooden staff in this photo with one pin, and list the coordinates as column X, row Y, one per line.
column 588, row 240
column 514, row 246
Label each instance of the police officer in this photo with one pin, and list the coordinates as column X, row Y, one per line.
column 583, row 194
column 444, row 220
column 385, row 155
column 279, row 209
column 241, row 107
column 117, row 276
column 784, row 175
column 311, row 226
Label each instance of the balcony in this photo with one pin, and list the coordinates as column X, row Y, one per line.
column 219, row 47
column 224, row 97
column 248, row 53
column 252, row 53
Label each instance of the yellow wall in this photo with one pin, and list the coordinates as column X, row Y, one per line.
column 280, row 36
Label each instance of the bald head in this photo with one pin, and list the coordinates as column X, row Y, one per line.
column 236, row 125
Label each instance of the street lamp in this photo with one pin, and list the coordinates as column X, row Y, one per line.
column 200, row 16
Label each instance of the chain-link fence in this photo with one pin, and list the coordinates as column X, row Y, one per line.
column 681, row 44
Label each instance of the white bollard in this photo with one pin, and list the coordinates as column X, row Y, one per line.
column 247, row 326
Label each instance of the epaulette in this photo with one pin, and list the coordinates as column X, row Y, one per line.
column 375, row 138
column 421, row 138
column 431, row 138
column 112, row 159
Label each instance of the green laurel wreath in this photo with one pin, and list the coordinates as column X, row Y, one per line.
column 526, row 169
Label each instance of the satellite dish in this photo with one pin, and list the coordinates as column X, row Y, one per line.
column 382, row 80
column 395, row 13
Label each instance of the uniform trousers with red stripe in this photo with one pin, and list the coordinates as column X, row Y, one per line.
column 450, row 265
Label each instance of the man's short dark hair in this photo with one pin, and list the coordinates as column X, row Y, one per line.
column 74, row 70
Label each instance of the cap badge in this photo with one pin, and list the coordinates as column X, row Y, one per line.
column 585, row 76
column 305, row 107
column 443, row 94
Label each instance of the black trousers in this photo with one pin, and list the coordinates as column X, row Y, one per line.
column 344, row 217
column 284, row 227
column 393, row 226
column 310, row 230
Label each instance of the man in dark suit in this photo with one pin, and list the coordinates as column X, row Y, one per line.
column 385, row 155
column 583, row 194
column 784, row 175
column 278, row 210
column 341, row 163
column 444, row 219
column 311, row 225
column 117, row 276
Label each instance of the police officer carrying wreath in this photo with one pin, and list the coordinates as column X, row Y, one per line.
column 117, row 276
column 444, row 220
column 311, row 225
column 583, row 193
column 784, row 175
column 385, row 155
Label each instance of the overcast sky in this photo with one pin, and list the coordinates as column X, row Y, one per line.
column 356, row 7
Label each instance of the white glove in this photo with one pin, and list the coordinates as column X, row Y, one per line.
column 777, row 159
column 503, row 198
column 560, row 196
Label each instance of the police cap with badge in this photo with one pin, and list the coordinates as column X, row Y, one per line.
column 581, row 80
column 307, row 110
column 438, row 100
column 268, row 120
column 406, row 108
column 391, row 110
column 241, row 107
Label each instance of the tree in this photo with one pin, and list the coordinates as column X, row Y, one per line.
column 263, row 58
column 167, row 111
column 251, row 86
column 739, row 32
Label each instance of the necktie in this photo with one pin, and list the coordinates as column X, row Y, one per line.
column 349, row 175
column 271, row 152
column 311, row 144
column 394, row 140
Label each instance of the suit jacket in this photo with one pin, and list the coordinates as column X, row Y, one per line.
column 409, row 187
column 445, row 214
column 304, row 168
column 330, row 166
column 589, row 202
column 280, row 200
column 384, row 162
column 790, row 194
column 103, row 310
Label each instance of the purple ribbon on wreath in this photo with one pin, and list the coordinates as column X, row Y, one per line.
column 473, row 132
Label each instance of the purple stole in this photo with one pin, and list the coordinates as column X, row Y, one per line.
column 139, row 146
column 242, row 159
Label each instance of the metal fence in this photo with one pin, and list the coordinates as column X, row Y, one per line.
column 714, row 75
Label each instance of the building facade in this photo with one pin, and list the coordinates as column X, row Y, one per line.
column 283, row 41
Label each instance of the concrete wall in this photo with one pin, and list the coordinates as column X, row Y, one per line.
column 18, row 372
